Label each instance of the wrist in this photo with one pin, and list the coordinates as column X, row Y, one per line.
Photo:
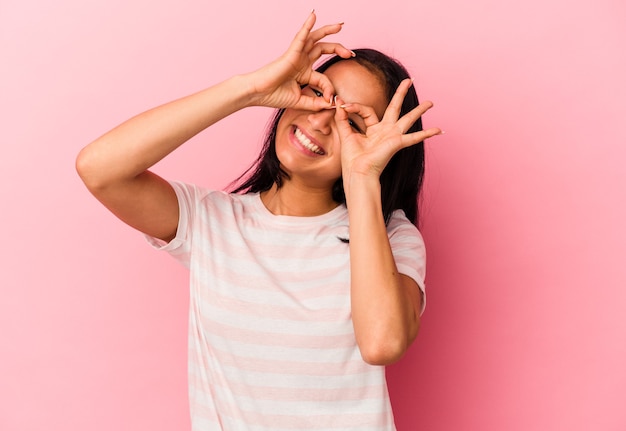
column 360, row 183
column 256, row 92
column 244, row 91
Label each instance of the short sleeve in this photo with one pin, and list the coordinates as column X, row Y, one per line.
column 409, row 250
column 180, row 246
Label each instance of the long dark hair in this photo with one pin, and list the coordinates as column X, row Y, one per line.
column 401, row 180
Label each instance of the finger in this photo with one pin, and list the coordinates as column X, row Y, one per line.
column 302, row 35
column 417, row 137
column 321, row 81
column 367, row 113
column 309, row 103
column 395, row 105
column 341, row 119
column 412, row 116
column 316, row 103
column 322, row 32
column 329, row 48
column 315, row 36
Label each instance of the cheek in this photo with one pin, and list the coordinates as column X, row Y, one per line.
column 281, row 138
column 283, row 126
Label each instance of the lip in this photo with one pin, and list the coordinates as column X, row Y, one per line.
column 296, row 143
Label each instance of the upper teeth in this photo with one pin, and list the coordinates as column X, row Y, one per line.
column 306, row 142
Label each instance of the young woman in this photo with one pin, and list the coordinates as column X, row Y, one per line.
column 309, row 277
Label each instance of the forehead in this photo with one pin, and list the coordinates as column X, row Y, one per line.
column 355, row 83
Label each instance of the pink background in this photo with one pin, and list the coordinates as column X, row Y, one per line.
column 524, row 207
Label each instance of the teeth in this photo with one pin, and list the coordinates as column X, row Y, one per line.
column 306, row 142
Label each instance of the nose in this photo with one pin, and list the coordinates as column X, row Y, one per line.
column 322, row 120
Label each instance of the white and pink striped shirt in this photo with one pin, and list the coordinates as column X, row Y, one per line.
column 271, row 342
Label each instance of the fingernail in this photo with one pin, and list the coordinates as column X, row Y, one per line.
column 312, row 10
column 353, row 53
column 345, row 105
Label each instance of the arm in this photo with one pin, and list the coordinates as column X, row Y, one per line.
column 385, row 304
column 115, row 166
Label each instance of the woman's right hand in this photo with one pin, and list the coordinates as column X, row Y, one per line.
column 278, row 84
column 115, row 166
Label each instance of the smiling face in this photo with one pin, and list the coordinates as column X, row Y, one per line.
column 307, row 142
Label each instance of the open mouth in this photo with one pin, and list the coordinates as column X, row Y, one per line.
column 306, row 142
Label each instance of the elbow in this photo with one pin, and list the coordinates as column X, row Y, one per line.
column 90, row 171
column 84, row 167
column 384, row 351
column 388, row 346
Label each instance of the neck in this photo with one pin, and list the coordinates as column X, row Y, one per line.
column 294, row 200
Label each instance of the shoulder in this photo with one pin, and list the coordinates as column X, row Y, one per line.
column 193, row 192
column 405, row 239
column 408, row 248
column 215, row 207
column 400, row 225
column 199, row 194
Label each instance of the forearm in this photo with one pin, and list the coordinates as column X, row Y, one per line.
column 137, row 144
column 383, row 305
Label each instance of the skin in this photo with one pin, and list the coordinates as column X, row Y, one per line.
column 385, row 304
column 311, row 175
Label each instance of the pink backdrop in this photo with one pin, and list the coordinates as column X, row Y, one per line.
column 524, row 208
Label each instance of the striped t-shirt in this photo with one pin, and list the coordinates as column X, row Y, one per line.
column 271, row 341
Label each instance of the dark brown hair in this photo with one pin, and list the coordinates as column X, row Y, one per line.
column 401, row 180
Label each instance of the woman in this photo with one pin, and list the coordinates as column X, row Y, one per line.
column 310, row 278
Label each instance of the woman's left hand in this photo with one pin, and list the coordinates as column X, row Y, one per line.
column 368, row 153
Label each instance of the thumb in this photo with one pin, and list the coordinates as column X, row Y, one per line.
column 341, row 119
